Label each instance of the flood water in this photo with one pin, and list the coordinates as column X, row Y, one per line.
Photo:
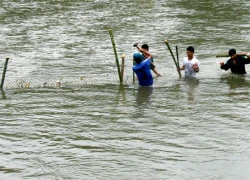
column 91, row 127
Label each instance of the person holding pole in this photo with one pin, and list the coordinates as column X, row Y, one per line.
column 152, row 66
column 190, row 63
column 236, row 63
column 142, row 67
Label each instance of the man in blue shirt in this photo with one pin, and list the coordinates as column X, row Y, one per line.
column 142, row 67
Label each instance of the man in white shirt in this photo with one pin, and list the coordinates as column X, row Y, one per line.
column 190, row 63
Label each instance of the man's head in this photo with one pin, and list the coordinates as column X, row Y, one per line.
column 138, row 57
column 190, row 48
column 190, row 52
column 231, row 52
column 145, row 46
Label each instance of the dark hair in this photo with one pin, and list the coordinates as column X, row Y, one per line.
column 190, row 48
column 231, row 52
column 145, row 46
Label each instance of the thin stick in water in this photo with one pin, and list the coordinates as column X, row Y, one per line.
column 177, row 56
column 122, row 66
column 176, row 64
column 115, row 52
column 4, row 72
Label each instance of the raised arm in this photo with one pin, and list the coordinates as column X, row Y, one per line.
column 147, row 54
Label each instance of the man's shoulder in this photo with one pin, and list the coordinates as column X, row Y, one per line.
column 146, row 61
column 136, row 66
column 194, row 58
column 242, row 57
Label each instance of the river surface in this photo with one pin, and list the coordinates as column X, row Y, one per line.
column 64, row 114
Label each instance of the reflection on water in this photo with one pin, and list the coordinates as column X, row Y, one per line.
column 143, row 95
column 143, row 103
column 191, row 85
column 121, row 93
column 3, row 96
column 235, row 81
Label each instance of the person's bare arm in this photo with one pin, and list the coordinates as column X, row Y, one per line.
column 182, row 68
column 148, row 54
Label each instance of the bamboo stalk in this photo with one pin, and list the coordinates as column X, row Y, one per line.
column 176, row 64
column 222, row 55
column 115, row 52
column 227, row 55
column 177, row 56
column 122, row 66
column 4, row 72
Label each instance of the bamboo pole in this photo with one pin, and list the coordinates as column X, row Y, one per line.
column 176, row 64
column 222, row 55
column 115, row 52
column 177, row 56
column 227, row 55
column 122, row 66
column 4, row 72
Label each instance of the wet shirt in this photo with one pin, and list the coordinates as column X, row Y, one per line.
column 142, row 70
column 238, row 67
column 188, row 64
